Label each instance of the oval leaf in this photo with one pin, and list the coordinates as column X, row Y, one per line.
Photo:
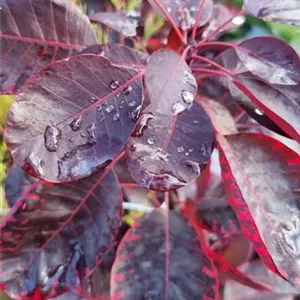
column 56, row 235
column 160, row 258
column 169, row 82
column 259, row 172
column 168, row 152
column 34, row 34
column 73, row 117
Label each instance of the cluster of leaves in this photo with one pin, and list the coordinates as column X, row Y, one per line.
column 97, row 127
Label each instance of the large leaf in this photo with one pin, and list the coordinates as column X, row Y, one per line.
column 168, row 152
column 73, row 117
column 287, row 11
column 169, row 83
column 184, row 13
column 35, row 33
column 56, row 235
column 160, row 258
column 262, row 178
column 270, row 79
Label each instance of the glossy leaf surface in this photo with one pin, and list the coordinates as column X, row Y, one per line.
column 56, row 235
column 160, row 258
column 169, row 83
column 34, row 34
column 259, row 172
column 184, row 13
column 167, row 152
column 287, row 11
column 73, row 117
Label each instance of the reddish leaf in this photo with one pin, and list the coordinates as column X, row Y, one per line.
column 160, row 258
column 77, row 113
column 57, row 234
column 287, row 11
column 34, row 34
column 119, row 55
column 168, row 152
column 184, row 13
column 259, row 172
column 125, row 22
column 169, row 83
column 270, row 79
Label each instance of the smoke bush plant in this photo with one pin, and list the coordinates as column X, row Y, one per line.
column 94, row 125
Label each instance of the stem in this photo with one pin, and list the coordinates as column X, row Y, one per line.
column 184, row 53
column 167, row 16
column 167, row 240
column 218, row 44
column 197, row 21
column 130, row 186
column 208, row 71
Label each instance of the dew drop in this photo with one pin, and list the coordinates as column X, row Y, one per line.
column 52, row 138
column 196, row 122
column 127, row 90
column 177, row 108
column 134, row 115
column 99, row 108
column 114, row 84
column 132, row 148
column 259, row 112
column 109, row 108
column 93, row 99
column 131, row 103
column 91, row 131
column 187, row 97
column 180, row 149
column 186, row 153
column 116, row 116
column 150, row 141
column 169, row 9
column 76, row 123
column 82, row 134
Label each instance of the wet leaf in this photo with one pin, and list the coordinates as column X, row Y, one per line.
column 73, row 117
column 56, row 235
column 168, row 152
column 160, row 258
column 34, row 34
column 259, row 172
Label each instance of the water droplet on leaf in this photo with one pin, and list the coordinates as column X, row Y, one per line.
column 109, row 108
column 99, row 108
column 134, row 115
column 177, row 108
column 92, row 131
column 76, row 123
column 180, row 149
column 131, row 103
column 93, row 99
column 150, row 141
column 52, row 138
column 114, row 84
column 259, row 112
column 116, row 116
column 196, row 122
column 127, row 90
column 187, row 97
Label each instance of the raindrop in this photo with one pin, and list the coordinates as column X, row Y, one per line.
column 134, row 115
column 52, row 137
column 187, row 97
column 186, row 153
column 196, row 122
column 239, row 20
column 131, row 103
column 99, row 108
column 109, row 108
column 259, row 112
column 93, row 99
column 150, row 141
column 91, row 131
column 116, row 116
column 114, row 84
column 127, row 90
column 118, row 95
column 76, row 123
column 177, row 108
column 180, row 149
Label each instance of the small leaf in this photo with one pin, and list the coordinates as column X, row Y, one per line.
column 168, row 152
column 287, row 11
column 160, row 258
column 34, row 34
column 56, row 235
column 73, row 117
column 259, row 172
column 169, row 82
column 184, row 13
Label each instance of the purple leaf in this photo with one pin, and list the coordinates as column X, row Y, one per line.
column 119, row 55
column 34, row 34
column 169, row 82
column 125, row 22
column 270, row 79
column 160, row 258
column 258, row 172
column 287, row 11
column 73, row 117
column 56, row 235
column 184, row 13
column 168, row 152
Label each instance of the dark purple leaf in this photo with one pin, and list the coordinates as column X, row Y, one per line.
column 73, row 117
column 125, row 22
column 170, row 83
column 287, row 11
column 160, row 258
column 270, row 79
column 56, row 235
column 119, row 55
column 184, row 13
column 34, row 34
column 259, row 172
column 168, row 152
